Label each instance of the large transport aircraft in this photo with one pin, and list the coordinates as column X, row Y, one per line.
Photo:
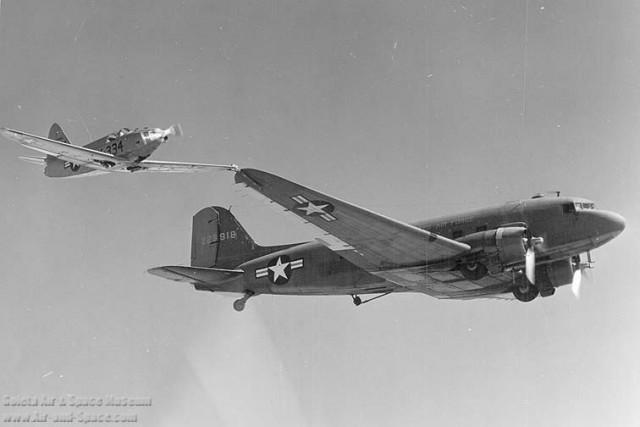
column 519, row 249
column 121, row 151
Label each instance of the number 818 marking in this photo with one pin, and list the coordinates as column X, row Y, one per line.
column 212, row 238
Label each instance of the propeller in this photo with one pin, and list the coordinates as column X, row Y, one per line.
column 530, row 265
column 577, row 282
column 530, row 257
column 173, row 130
column 581, row 269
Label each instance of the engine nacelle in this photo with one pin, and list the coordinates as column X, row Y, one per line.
column 499, row 248
column 554, row 274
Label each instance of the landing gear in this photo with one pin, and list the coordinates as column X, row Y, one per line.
column 238, row 305
column 525, row 291
column 357, row 300
column 473, row 270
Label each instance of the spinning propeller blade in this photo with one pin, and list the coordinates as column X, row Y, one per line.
column 173, row 130
column 530, row 257
column 577, row 282
column 530, row 265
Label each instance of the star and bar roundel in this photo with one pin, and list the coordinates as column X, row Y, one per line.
column 279, row 269
column 314, row 207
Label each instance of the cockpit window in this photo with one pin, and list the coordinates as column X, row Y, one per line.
column 585, row 205
column 577, row 206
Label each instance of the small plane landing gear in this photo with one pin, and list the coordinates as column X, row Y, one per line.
column 356, row 300
column 238, row 305
column 525, row 291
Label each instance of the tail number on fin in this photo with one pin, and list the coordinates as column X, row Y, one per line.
column 212, row 238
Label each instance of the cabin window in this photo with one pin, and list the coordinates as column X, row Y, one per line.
column 457, row 234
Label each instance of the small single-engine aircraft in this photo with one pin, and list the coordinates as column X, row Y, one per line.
column 519, row 249
column 121, row 151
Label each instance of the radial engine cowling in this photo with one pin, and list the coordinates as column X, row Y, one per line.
column 554, row 274
column 498, row 248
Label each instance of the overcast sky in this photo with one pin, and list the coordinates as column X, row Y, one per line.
column 413, row 109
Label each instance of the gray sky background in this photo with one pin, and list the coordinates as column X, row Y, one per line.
column 410, row 108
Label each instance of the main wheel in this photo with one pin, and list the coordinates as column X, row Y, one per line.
column 525, row 291
column 474, row 270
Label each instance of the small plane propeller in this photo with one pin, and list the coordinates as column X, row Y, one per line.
column 173, row 130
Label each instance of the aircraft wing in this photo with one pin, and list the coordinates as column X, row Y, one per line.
column 367, row 239
column 67, row 152
column 161, row 166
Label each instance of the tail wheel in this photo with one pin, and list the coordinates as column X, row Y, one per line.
column 525, row 291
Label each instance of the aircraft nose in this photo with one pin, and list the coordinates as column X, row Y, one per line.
column 609, row 223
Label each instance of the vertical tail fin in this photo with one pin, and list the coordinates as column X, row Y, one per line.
column 218, row 240
column 57, row 134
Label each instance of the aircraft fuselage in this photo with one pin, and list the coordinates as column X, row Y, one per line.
column 562, row 227
column 134, row 145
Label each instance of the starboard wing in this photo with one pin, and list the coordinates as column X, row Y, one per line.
column 182, row 167
column 367, row 239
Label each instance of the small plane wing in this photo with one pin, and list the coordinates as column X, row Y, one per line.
column 367, row 239
column 67, row 152
column 102, row 161
column 161, row 166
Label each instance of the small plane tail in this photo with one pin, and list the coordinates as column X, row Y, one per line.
column 57, row 134
column 219, row 240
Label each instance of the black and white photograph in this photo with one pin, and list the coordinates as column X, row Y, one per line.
column 309, row 213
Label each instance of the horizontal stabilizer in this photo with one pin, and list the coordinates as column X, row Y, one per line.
column 195, row 275
column 35, row 160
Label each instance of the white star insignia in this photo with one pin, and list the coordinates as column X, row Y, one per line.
column 315, row 208
column 311, row 208
column 279, row 269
